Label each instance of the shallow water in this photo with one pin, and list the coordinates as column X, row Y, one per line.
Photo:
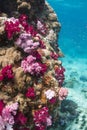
column 72, row 15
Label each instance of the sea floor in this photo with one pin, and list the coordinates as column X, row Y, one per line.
column 76, row 82
column 73, row 43
column 74, row 108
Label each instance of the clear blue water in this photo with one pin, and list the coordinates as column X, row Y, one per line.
column 72, row 14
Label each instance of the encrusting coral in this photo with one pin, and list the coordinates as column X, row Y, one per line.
column 31, row 75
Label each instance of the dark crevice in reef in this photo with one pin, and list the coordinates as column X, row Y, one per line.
column 7, row 7
column 15, row 7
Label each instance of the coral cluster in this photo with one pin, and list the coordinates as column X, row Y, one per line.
column 31, row 75
column 42, row 117
column 7, row 115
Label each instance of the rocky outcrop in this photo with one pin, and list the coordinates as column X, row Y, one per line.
column 21, row 7
column 31, row 75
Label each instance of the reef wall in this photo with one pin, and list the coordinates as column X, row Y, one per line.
column 31, row 75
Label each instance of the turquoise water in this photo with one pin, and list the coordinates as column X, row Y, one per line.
column 72, row 15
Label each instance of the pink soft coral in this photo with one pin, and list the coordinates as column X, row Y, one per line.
column 2, row 124
column 54, row 55
column 1, row 77
column 20, row 118
column 53, row 100
column 32, row 66
column 30, row 93
column 23, row 21
column 6, row 73
column 41, row 27
column 37, row 55
column 9, row 112
column 1, row 106
column 28, row 28
column 63, row 92
column 59, row 74
column 42, row 119
column 7, row 116
column 12, row 27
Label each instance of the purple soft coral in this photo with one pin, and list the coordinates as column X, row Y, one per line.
column 25, row 41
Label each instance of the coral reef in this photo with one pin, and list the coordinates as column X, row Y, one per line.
column 21, row 7
column 31, row 75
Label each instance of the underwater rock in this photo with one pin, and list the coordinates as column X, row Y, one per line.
column 69, row 105
column 52, row 17
column 83, row 78
column 84, row 89
column 31, row 74
column 21, row 6
column 74, row 74
column 68, row 113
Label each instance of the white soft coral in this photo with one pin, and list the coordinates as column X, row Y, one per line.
column 49, row 94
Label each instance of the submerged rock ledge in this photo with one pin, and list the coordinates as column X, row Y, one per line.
column 31, row 75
